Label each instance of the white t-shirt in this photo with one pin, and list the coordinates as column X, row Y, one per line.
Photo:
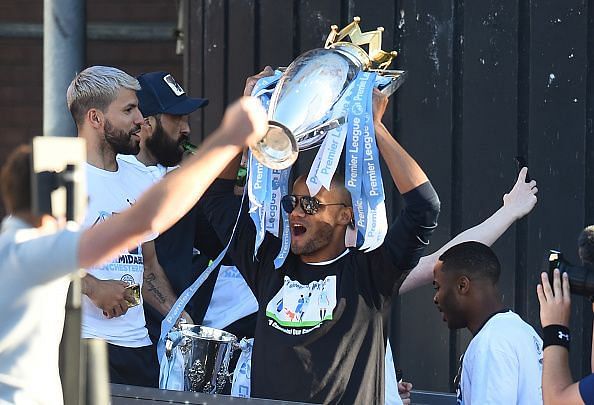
column 157, row 171
column 111, row 193
column 231, row 299
column 503, row 364
column 391, row 383
column 34, row 271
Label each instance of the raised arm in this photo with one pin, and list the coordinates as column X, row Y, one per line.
column 409, row 235
column 518, row 202
column 555, row 309
column 405, row 171
column 166, row 202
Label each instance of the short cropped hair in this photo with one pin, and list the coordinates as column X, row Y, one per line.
column 15, row 180
column 338, row 183
column 586, row 245
column 96, row 87
column 474, row 259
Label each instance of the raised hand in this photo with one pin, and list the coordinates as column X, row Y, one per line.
column 555, row 302
column 245, row 121
column 251, row 81
column 379, row 102
column 522, row 197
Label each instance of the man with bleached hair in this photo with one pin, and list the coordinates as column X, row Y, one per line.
column 104, row 106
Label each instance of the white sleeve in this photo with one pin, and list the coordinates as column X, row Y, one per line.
column 391, row 394
column 47, row 257
column 491, row 376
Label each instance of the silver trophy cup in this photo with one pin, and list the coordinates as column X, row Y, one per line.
column 206, row 353
column 302, row 102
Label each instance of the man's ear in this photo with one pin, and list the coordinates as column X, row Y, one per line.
column 151, row 122
column 463, row 285
column 346, row 216
column 95, row 118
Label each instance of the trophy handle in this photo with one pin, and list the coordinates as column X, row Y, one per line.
column 398, row 78
column 278, row 148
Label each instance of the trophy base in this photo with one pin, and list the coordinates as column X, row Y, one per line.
column 278, row 148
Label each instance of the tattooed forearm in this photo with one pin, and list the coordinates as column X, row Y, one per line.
column 151, row 287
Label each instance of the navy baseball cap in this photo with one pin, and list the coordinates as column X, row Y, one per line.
column 160, row 93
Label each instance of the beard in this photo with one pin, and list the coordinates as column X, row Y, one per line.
column 320, row 239
column 121, row 141
column 167, row 151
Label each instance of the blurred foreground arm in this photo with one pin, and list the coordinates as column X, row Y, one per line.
column 230, row 172
column 166, row 202
column 516, row 204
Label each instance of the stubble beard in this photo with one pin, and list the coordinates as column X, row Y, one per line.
column 121, row 141
column 321, row 239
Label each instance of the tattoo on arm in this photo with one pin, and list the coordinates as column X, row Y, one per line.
column 149, row 282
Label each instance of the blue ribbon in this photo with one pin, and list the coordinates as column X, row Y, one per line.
column 286, row 233
column 266, row 187
column 372, row 179
column 259, row 177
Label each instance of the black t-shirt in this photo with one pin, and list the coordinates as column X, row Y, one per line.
column 321, row 329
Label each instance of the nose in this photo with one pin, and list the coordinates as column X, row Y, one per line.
column 185, row 125
column 138, row 118
column 435, row 301
column 297, row 212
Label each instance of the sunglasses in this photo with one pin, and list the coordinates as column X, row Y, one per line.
column 309, row 205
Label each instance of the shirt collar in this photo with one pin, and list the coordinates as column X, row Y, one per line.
column 329, row 261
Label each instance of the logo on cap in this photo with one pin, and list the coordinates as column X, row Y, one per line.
column 173, row 85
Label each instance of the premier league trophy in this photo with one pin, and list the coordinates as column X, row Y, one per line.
column 324, row 98
column 300, row 110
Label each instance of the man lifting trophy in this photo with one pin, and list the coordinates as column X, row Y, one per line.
column 324, row 99
column 325, row 267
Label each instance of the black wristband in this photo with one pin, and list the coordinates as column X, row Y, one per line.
column 555, row 335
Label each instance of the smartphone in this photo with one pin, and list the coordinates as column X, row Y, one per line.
column 134, row 295
column 521, row 162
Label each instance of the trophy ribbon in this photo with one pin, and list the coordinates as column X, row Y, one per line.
column 286, row 234
column 267, row 186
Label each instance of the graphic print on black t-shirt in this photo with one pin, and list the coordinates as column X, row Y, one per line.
column 298, row 309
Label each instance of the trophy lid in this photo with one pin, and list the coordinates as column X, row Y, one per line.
column 371, row 38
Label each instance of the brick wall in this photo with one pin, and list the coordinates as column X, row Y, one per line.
column 21, row 60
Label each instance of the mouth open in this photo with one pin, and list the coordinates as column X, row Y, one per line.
column 298, row 230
